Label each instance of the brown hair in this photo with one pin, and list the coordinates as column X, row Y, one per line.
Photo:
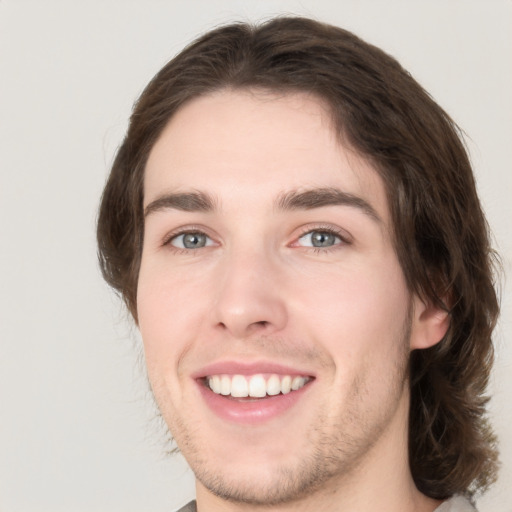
column 441, row 235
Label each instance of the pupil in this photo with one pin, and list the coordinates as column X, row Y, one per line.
column 193, row 240
column 322, row 239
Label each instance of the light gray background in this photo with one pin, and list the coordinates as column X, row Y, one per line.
column 75, row 419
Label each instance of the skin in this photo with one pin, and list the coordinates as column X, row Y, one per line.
column 258, row 291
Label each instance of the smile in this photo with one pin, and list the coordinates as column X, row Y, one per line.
column 255, row 386
column 253, row 393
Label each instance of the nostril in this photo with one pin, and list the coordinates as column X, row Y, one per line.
column 260, row 324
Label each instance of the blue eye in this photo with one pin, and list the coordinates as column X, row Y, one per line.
column 319, row 239
column 191, row 240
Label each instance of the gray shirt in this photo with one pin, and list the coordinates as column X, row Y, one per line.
column 190, row 507
column 455, row 504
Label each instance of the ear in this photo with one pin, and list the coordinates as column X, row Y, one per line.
column 429, row 324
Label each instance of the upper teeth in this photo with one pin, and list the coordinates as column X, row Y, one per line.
column 256, row 386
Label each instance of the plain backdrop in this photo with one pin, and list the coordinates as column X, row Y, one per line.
column 77, row 427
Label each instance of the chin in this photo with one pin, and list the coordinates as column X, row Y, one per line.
column 261, row 485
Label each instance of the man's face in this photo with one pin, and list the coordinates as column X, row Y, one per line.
column 267, row 264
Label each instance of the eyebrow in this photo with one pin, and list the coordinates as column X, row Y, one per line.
column 184, row 201
column 320, row 197
column 294, row 200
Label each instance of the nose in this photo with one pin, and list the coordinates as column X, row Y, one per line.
column 250, row 300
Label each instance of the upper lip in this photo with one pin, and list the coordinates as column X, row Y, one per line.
column 249, row 368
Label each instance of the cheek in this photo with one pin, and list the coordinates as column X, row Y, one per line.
column 169, row 305
column 359, row 319
column 168, row 309
column 359, row 309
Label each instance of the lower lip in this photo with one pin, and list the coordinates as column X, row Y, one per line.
column 250, row 412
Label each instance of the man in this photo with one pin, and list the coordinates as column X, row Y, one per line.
column 293, row 224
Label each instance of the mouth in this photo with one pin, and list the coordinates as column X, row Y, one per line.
column 252, row 394
column 255, row 386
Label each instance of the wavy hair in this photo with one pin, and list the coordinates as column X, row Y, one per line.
column 440, row 233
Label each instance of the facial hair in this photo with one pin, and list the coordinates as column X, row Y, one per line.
column 334, row 447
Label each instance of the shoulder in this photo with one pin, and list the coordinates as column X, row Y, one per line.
column 456, row 504
column 189, row 507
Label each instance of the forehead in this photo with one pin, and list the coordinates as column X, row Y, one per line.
column 244, row 146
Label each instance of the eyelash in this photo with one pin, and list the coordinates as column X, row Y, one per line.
column 324, row 229
column 184, row 231
column 309, row 229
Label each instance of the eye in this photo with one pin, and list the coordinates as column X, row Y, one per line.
column 190, row 240
column 319, row 238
